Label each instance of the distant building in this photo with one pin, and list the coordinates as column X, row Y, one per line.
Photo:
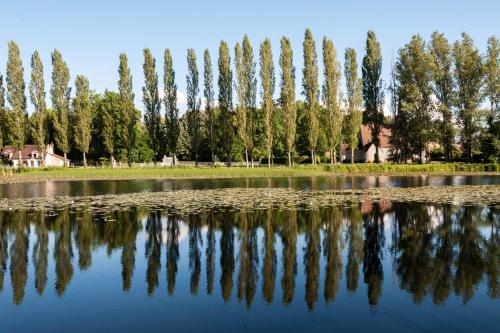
column 32, row 158
column 365, row 150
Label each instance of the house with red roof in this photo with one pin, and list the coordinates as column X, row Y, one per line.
column 31, row 156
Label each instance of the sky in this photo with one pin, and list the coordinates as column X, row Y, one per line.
column 91, row 34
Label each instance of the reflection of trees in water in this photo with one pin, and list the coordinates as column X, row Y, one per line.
column 269, row 263
column 289, row 255
column 311, row 256
column 4, row 254
column 172, row 252
column 195, row 241
column 153, row 250
column 332, row 248
column 372, row 262
column 19, row 257
column 438, row 250
column 210, row 252
column 248, row 257
column 226, row 258
column 40, row 252
column 355, row 244
column 63, row 251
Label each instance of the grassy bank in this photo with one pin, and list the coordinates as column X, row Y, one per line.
column 26, row 175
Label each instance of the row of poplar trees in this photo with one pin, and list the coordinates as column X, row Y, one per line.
column 437, row 89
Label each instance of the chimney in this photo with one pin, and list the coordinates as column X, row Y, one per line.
column 50, row 148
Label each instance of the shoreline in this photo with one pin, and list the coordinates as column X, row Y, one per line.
column 78, row 174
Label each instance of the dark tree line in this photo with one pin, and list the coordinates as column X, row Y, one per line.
column 440, row 91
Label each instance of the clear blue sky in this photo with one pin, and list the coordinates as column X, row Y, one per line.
column 91, row 34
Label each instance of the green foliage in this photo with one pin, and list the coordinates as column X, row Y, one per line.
column 443, row 89
column 469, row 78
column 83, row 116
column 3, row 115
column 268, row 84
column 332, row 96
column 17, row 114
column 373, row 94
column 208, row 92
column 193, row 104
column 170, row 100
column 225, row 83
column 128, row 112
column 310, row 90
column 354, row 100
column 151, row 100
column 287, row 95
column 37, row 96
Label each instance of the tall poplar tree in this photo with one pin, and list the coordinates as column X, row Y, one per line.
column 17, row 114
column 3, row 116
column 414, row 78
column 193, row 104
column 373, row 94
column 268, row 84
column 443, row 89
column 60, row 96
column 82, row 107
column 287, row 94
column 492, row 76
column 226, row 99
column 354, row 100
column 469, row 78
column 128, row 111
column 310, row 91
column 332, row 97
column 170, row 100
column 208, row 93
column 241, row 111
column 151, row 100
column 37, row 96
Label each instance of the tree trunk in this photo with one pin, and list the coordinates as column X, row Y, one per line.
column 377, row 157
column 196, row 158
column 312, row 157
column 331, row 156
column 212, row 158
column 65, row 160
column 269, row 158
column 334, row 156
column 84, row 160
column 43, row 160
column 19, row 154
column 289, row 158
column 113, row 162
column 352, row 156
column 246, row 157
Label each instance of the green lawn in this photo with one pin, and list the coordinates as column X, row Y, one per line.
column 10, row 175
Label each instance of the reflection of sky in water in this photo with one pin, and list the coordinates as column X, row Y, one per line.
column 99, row 187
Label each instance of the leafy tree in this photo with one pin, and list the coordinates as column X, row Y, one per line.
column 108, row 112
column 310, row 86
column 193, row 104
column 443, row 89
column 151, row 100
column 268, row 84
column 354, row 100
column 226, row 99
column 469, row 78
column 373, row 94
column 287, row 94
column 208, row 92
column 170, row 100
column 60, row 95
column 83, row 116
column 128, row 111
column 491, row 139
column 17, row 114
column 37, row 95
column 414, row 76
column 332, row 97
column 3, row 116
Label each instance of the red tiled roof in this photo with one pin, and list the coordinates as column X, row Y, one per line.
column 26, row 152
column 384, row 136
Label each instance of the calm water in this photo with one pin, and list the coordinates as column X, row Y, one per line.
column 411, row 267
column 98, row 187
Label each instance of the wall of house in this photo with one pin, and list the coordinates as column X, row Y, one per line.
column 51, row 160
column 383, row 153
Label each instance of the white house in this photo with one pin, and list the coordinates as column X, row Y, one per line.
column 32, row 158
column 365, row 151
